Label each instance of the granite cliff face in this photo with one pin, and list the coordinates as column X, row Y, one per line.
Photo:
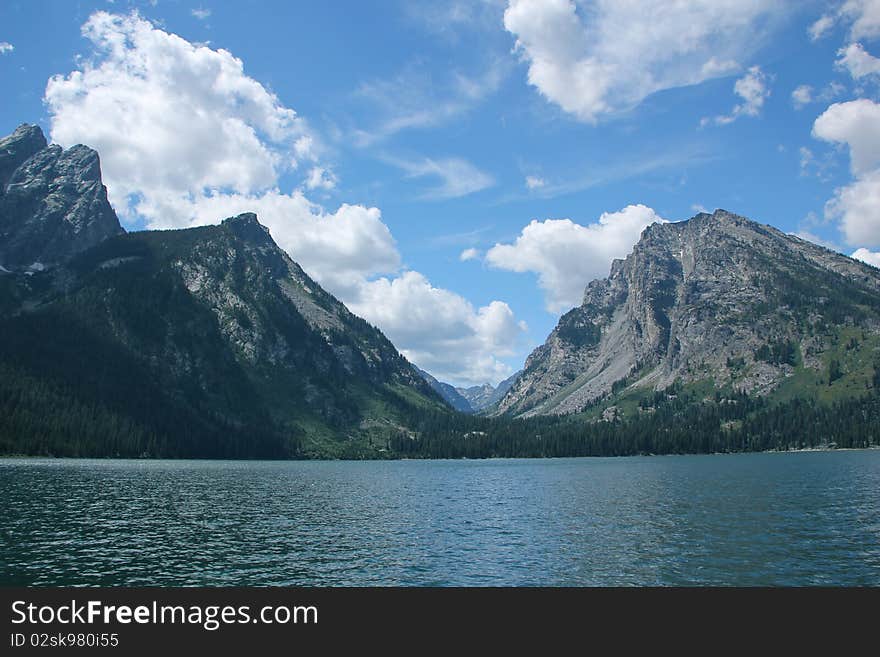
column 53, row 204
column 717, row 298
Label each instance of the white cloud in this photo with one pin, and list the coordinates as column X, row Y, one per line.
column 457, row 177
column 857, row 124
column 863, row 17
column 821, row 27
column 754, row 90
column 857, row 205
column 201, row 13
column 168, row 117
column 440, row 330
column 802, row 96
column 566, row 255
column 870, row 257
column 6, row 47
column 534, row 182
column 469, row 254
column 856, row 60
column 321, row 178
column 607, row 56
column 186, row 138
column 805, row 94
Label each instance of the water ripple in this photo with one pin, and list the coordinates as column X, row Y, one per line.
column 758, row 519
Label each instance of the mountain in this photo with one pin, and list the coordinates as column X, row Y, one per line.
column 53, row 204
column 717, row 302
column 448, row 392
column 205, row 342
column 473, row 399
column 483, row 397
column 715, row 334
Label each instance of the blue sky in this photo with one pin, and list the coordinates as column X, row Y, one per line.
column 457, row 172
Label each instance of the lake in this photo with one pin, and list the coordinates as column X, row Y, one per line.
column 807, row 518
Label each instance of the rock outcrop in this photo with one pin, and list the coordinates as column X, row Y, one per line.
column 53, row 204
column 718, row 297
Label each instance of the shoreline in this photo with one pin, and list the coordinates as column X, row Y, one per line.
column 23, row 457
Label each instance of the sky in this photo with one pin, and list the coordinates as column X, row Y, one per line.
column 457, row 172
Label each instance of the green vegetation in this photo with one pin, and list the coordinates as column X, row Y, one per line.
column 114, row 356
column 183, row 344
column 578, row 330
column 679, row 424
column 779, row 352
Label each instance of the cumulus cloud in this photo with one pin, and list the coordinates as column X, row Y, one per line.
column 855, row 124
column 187, row 138
column 856, row 60
column 566, row 255
column 754, row 90
column 457, row 177
column 469, row 254
column 169, row 117
column 607, row 56
column 870, row 257
column 201, row 13
column 6, row 47
column 857, row 206
column 440, row 330
column 535, row 182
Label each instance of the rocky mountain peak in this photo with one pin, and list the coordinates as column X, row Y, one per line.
column 53, row 204
column 247, row 227
column 717, row 297
column 15, row 149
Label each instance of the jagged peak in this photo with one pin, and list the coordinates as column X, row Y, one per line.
column 247, row 227
column 242, row 219
column 720, row 219
column 17, row 148
column 719, row 214
column 26, row 133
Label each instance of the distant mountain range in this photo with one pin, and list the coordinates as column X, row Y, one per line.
column 714, row 334
column 474, row 399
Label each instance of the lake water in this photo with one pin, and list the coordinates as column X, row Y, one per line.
column 753, row 519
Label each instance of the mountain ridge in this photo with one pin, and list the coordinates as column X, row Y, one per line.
column 693, row 298
column 212, row 342
column 207, row 341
